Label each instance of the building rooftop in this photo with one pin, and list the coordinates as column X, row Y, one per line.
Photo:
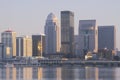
column 51, row 16
column 8, row 31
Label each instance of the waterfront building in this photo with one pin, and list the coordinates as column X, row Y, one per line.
column 52, row 33
column 88, row 36
column 105, row 54
column 107, row 37
column 24, row 46
column 67, row 32
column 8, row 38
column 38, row 42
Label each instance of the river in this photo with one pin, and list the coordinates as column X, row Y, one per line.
column 60, row 73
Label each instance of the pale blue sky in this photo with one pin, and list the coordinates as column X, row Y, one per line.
column 28, row 17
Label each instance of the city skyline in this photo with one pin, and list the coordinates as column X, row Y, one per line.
column 59, row 39
column 20, row 15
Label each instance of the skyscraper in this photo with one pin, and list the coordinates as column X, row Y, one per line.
column 38, row 42
column 107, row 37
column 67, row 32
column 8, row 38
column 88, row 36
column 24, row 46
column 52, row 33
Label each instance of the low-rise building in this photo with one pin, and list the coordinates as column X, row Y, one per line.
column 105, row 54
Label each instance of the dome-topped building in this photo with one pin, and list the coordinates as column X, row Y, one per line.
column 51, row 16
column 52, row 33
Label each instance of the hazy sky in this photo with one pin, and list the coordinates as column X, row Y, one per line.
column 28, row 17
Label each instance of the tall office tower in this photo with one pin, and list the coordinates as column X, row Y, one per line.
column 38, row 42
column 88, row 36
column 52, row 33
column 67, row 32
column 8, row 38
column 24, row 46
column 106, row 37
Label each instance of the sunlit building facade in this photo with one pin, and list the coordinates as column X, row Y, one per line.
column 52, row 33
column 8, row 38
column 38, row 42
column 24, row 46
column 67, row 32
column 76, row 41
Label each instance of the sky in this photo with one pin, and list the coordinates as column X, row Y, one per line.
column 27, row 17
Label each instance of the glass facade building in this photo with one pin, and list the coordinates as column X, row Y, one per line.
column 8, row 38
column 38, row 42
column 67, row 32
column 88, row 36
column 106, row 37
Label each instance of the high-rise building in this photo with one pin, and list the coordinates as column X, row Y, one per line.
column 88, row 36
column 24, row 46
column 38, row 42
column 52, row 33
column 67, row 32
column 106, row 37
column 8, row 38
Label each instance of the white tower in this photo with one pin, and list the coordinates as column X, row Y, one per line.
column 52, row 33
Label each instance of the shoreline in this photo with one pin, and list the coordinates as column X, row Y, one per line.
column 60, row 63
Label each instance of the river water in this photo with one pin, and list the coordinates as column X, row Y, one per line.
column 60, row 73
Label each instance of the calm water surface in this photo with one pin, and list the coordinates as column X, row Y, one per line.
column 59, row 73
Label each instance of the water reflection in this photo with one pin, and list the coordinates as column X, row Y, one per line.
column 91, row 73
column 107, row 73
column 59, row 73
